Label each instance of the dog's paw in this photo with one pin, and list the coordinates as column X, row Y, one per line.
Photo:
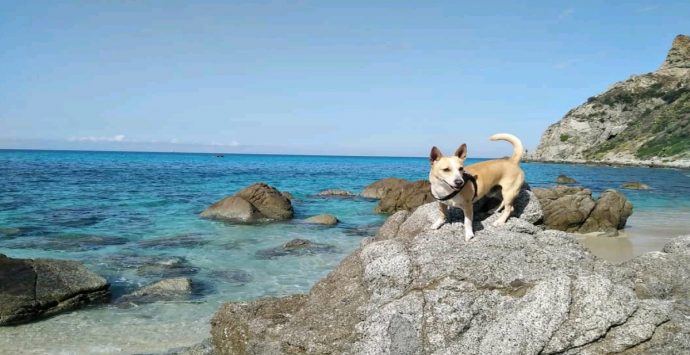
column 498, row 222
column 469, row 236
column 438, row 224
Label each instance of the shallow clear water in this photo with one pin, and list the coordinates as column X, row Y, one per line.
column 118, row 211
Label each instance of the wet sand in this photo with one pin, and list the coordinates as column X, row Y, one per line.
column 645, row 231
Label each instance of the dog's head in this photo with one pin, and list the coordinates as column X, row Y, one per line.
column 449, row 169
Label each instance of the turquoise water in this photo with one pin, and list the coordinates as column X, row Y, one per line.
column 121, row 212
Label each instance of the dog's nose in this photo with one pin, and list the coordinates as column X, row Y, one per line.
column 459, row 182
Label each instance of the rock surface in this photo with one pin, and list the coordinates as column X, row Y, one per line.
column 405, row 196
column 325, row 219
column 163, row 290
column 335, row 193
column 635, row 186
column 252, row 204
column 563, row 179
column 295, row 247
column 32, row 289
column 572, row 209
column 643, row 120
column 379, row 188
column 514, row 289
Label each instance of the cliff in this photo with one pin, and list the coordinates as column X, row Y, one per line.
column 644, row 120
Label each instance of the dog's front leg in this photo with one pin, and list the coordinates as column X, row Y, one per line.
column 469, row 214
column 444, row 216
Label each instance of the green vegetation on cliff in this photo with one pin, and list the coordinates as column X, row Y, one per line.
column 665, row 128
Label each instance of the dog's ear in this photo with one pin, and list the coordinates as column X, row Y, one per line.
column 435, row 155
column 462, row 151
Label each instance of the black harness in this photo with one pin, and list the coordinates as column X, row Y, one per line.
column 465, row 177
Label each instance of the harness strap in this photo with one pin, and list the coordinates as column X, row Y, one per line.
column 466, row 177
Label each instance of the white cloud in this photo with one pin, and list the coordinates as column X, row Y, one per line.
column 231, row 144
column 115, row 138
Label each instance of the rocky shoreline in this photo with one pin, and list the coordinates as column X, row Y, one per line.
column 678, row 164
column 515, row 289
column 518, row 288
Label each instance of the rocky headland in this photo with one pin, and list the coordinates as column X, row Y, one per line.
column 644, row 120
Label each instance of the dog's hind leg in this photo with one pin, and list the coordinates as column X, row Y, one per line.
column 508, row 199
column 497, row 209
column 444, row 216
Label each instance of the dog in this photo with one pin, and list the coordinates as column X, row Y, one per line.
column 453, row 185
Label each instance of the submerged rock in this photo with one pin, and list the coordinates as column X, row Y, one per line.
column 32, row 289
column 335, row 193
column 563, row 179
column 363, row 230
column 233, row 276
column 203, row 348
column 68, row 242
column 252, row 204
column 164, row 290
column 181, row 241
column 513, row 289
column 325, row 219
column 295, row 247
column 9, row 231
column 572, row 209
column 173, row 266
column 635, row 186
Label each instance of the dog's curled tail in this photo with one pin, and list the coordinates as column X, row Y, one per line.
column 515, row 141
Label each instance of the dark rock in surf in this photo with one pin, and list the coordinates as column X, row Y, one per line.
column 564, row 179
column 36, row 288
column 572, row 209
column 255, row 203
column 295, row 247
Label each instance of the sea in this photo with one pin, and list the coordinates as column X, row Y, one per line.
column 124, row 214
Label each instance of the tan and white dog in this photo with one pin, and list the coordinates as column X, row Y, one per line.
column 453, row 185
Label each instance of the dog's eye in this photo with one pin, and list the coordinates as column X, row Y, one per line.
column 446, row 169
column 461, row 169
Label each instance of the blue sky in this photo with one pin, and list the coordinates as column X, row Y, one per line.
column 314, row 77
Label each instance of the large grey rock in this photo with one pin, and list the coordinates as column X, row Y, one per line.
column 32, row 289
column 268, row 200
column 573, row 209
column 254, row 203
column 514, row 289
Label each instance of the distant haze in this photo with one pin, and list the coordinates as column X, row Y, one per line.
column 313, row 77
